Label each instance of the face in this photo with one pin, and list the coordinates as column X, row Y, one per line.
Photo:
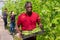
column 12, row 13
column 29, row 7
column 5, row 10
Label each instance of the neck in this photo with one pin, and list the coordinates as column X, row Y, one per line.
column 29, row 13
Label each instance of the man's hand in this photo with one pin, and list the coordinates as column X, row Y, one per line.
column 19, row 35
column 41, row 27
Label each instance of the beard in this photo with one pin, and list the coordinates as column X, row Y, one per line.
column 29, row 13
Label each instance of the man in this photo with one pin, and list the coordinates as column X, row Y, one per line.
column 28, row 20
column 12, row 23
column 5, row 17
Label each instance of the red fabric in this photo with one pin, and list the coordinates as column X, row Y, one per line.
column 28, row 22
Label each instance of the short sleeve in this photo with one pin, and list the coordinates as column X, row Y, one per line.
column 18, row 21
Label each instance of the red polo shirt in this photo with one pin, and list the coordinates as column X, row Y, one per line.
column 28, row 22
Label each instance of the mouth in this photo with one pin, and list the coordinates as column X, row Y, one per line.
column 30, row 10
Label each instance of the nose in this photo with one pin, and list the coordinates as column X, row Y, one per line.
column 30, row 8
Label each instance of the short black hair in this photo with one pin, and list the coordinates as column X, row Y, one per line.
column 27, row 3
column 5, row 9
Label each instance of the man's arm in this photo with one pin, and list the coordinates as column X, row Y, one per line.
column 18, row 23
column 17, row 29
column 39, row 23
column 18, row 32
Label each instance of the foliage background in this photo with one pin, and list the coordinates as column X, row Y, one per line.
column 49, row 11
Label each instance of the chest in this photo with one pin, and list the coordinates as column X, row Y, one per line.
column 29, row 19
column 4, row 14
column 12, row 17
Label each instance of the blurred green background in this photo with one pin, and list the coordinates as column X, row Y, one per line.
column 49, row 11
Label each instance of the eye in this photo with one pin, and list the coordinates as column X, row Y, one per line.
column 29, row 7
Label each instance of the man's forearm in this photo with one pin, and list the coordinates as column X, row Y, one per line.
column 17, row 29
column 19, row 32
